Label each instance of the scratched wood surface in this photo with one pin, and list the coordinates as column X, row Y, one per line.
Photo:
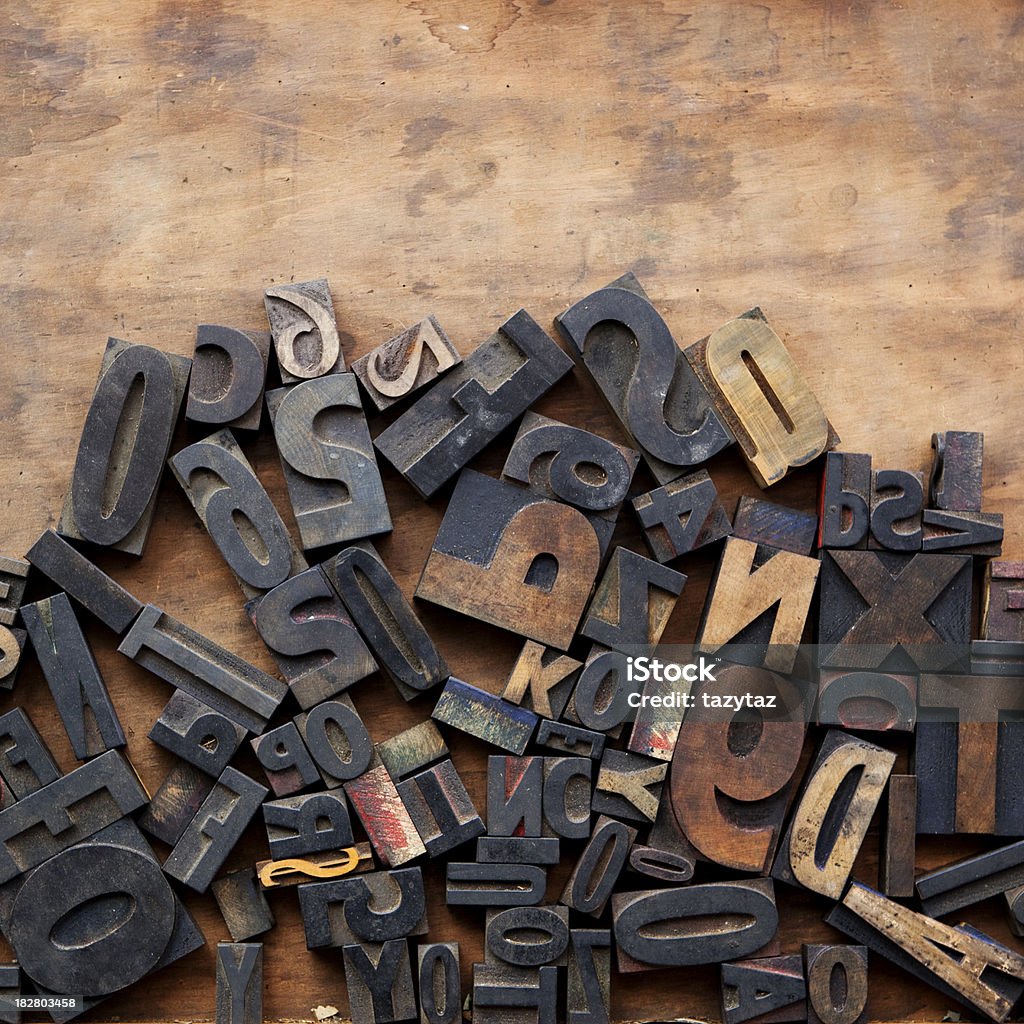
column 851, row 167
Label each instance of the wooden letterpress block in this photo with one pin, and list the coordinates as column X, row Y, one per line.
column 213, row 832
column 175, row 804
column 588, row 999
column 896, row 855
column 955, row 886
column 92, row 588
column 379, row 981
column 682, row 516
column 601, row 698
column 567, row 796
column 26, row 763
column 897, row 613
column 124, row 444
column 629, row 786
column 310, row 823
column 997, row 658
column 191, row 662
column 710, row 923
column 665, row 865
column 242, row 904
column 494, row 885
column 299, row 870
column 1003, row 602
column 632, row 602
column 10, row 989
column 440, row 808
column 388, row 825
column 599, row 866
column 731, row 786
column 769, row 989
column 875, row 701
column 13, row 578
column 331, row 472
column 376, row 907
column 406, row 363
column 467, row 409
column 1015, row 909
column 658, row 718
column 825, row 833
column 508, row 557
column 970, row 533
column 758, row 605
column 763, row 398
column 509, row 936
column 386, row 619
column 955, row 482
column 229, row 369
column 73, row 677
column 412, row 749
column 515, row 787
column 629, row 351
column 764, row 522
column 962, row 963
column 844, row 509
column 285, row 760
column 304, row 330
column 481, row 714
column 196, row 733
column 12, row 644
column 897, row 499
column 541, row 680
column 518, row 850
column 503, row 993
column 67, row 810
column 439, row 983
column 969, row 743
column 237, row 513
column 311, row 637
column 829, row 1002
column 569, row 739
column 338, row 740
column 239, row 983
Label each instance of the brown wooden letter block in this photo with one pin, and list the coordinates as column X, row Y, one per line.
column 310, row 823
column 242, row 904
column 304, row 330
column 541, row 680
column 1015, row 909
column 962, row 963
column 693, row 924
column 633, row 602
column 955, row 482
column 176, row 803
column 897, row 499
column 733, row 779
column 829, row 1000
column 311, row 637
column 338, row 740
column 951, row 888
column 124, row 444
column 191, row 662
column 896, row 855
column 515, row 787
column 568, row 739
column 494, row 885
column 629, row 786
column 629, row 351
column 467, row 409
column 379, row 980
column 386, row 619
column 898, row 613
column 229, row 369
column 527, row 936
column 593, row 878
column 508, row 557
column 760, row 598
column 682, row 516
column 601, row 698
column 328, row 461
column 762, row 396
column 412, row 749
column 768, row 989
column 567, row 796
column 407, row 363
column 970, row 533
column 12, row 645
column 197, row 734
column 92, row 588
column 237, row 513
column 844, row 508
column 969, row 744
column 440, row 808
column 764, row 522
column 485, row 716
column 1003, row 602
column 286, row 761
column 26, row 763
column 239, row 983
column 588, row 998
column 388, row 825
column 300, row 870
column 212, row 834
column 440, row 986
column 875, row 701
column 833, row 813
column 13, row 578
column 73, row 677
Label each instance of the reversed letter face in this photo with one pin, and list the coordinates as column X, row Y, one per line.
column 229, row 369
column 304, row 330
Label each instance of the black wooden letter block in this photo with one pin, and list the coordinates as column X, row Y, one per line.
column 26, row 763
column 599, row 866
column 196, row 733
column 174, row 805
column 336, row 737
column 13, row 578
column 494, row 885
column 311, row 823
column 897, row 498
column 229, row 369
column 12, row 645
column 589, row 987
column 567, row 796
column 239, row 983
column 528, row 936
column 242, row 904
column 682, row 516
column 285, row 760
column 379, row 980
column 956, row 482
column 515, row 802
column 440, row 985
column 877, row 701
column 844, row 515
column 502, row 993
column 767, row 989
column 440, row 808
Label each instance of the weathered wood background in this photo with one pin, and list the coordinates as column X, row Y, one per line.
column 855, row 168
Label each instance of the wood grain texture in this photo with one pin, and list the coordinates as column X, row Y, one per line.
column 846, row 166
